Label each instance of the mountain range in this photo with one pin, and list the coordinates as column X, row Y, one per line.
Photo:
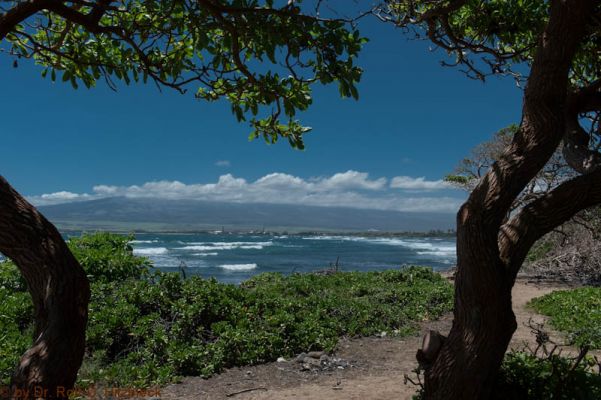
column 151, row 214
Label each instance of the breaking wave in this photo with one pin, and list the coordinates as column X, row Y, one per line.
column 238, row 267
column 151, row 251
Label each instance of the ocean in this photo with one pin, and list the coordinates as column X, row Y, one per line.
column 235, row 257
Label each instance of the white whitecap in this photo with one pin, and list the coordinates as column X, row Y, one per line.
column 151, row 251
column 143, row 241
column 238, row 267
column 204, row 254
column 438, row 253
column 208, row 246
column 422, row 247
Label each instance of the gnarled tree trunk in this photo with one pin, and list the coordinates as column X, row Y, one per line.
column 60, row 292
column 491, row 243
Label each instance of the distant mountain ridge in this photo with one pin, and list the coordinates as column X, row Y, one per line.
column 187, row 215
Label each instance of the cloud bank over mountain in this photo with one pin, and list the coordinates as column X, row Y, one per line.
column 346, row 189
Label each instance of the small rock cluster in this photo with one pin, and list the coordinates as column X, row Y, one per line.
column 319, row 361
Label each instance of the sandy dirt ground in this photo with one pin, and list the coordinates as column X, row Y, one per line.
column 375, row 371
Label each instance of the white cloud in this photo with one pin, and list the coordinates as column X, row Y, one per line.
column 353, row 180
column 346, row 189
column 64, row 197
column 223, row 163
column 410, row 183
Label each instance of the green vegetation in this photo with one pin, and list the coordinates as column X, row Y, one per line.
column 539, row 250
column 260, row 57
column 526, row 376
column 576, row 312
column 108, row 257
column 149, row 328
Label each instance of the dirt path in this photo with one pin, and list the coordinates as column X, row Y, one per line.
column 375, row 372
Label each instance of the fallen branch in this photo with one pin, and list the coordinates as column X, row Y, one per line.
column 245, row 391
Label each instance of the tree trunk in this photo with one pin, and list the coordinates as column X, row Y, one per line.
column 484, row 322
column 490, row 245
column 60, row 292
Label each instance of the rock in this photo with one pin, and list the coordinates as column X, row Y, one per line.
column 281, row 359
column 301, row 357
column 312, row 361
column 315, row 354
column 339, row 363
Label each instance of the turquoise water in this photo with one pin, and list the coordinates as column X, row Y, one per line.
column 235, row 257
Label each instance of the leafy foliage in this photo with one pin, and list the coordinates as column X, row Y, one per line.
column 107, row 257
column 153, row 330
column 16, row 313
column 576, row 312
column 150, row 328
column 260, row 57
column 526, row 376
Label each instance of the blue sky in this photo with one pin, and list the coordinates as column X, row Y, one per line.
column 414, row 119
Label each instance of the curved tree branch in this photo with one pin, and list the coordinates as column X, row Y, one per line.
column 542, row 125
column 576, row 150
column 59, row 290
column 20, row 13
column 545, row 214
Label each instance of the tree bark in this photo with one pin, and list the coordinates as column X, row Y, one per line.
column 467, row 364
column 60, row 292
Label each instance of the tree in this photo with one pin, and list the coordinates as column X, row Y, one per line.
column 260, row 57
column 471, row 170
column 570, row 251
column 556, row 42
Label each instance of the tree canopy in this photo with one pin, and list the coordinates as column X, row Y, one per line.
column 500, row 37
column 261, row 56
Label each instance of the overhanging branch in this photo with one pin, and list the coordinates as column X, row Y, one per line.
column 19, row 13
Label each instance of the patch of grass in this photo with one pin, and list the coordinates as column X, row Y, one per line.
column 576, row 312
column 150, row 328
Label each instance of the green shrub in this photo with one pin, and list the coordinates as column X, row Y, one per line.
column 10, row 277
column 108, row 257
column 576, row 312
column 525, row 376
column 165, row 327
column 16, row 314
column 528, row 377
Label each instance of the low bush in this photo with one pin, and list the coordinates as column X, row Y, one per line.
column 150, row 331
column 526, row 376
column 107, row 257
